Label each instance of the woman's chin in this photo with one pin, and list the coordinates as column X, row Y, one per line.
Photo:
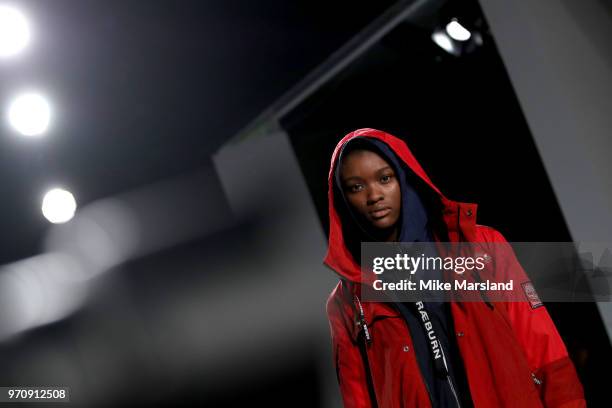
column 383, row 224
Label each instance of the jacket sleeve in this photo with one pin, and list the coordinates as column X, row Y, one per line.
column 547, row 356
column 348, row 361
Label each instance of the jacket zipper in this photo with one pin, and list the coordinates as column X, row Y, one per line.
column 450, row 383
column 448, row 378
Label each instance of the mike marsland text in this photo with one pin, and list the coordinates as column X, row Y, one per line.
column 438, row 285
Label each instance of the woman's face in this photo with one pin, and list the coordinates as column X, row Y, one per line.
column 372, row 190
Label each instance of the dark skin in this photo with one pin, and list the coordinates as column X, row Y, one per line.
column 373, row 192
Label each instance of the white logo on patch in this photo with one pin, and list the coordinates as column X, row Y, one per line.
column 532, row 295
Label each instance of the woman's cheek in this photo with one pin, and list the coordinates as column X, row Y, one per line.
column 355, row 201
column 395, row 193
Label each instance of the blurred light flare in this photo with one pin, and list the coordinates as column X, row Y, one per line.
column 58, row 206
column 37, row 291
column 14, row 31
column 29, row 114
column 50, row 287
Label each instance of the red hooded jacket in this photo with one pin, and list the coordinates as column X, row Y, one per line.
column 512, row 353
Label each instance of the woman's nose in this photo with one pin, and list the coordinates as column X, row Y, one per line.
column 374, row 195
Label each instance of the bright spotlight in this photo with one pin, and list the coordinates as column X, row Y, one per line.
column 457, row 32
column 29, row 114
column 14, row 31
column 58, row 206
column 444, row 42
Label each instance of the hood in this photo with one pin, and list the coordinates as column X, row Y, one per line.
column 430, row 210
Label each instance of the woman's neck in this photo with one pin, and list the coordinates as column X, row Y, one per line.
column 391, row 236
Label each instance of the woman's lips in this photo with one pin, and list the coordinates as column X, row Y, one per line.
column 378, row 214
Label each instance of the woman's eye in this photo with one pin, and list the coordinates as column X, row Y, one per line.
column 385, row 179
column 355, row 188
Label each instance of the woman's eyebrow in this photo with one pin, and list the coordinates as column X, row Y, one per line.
column 351, row 178
column 359, row 178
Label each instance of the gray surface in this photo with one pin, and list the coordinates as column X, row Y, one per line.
column 559, row 60
column 260, row 176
